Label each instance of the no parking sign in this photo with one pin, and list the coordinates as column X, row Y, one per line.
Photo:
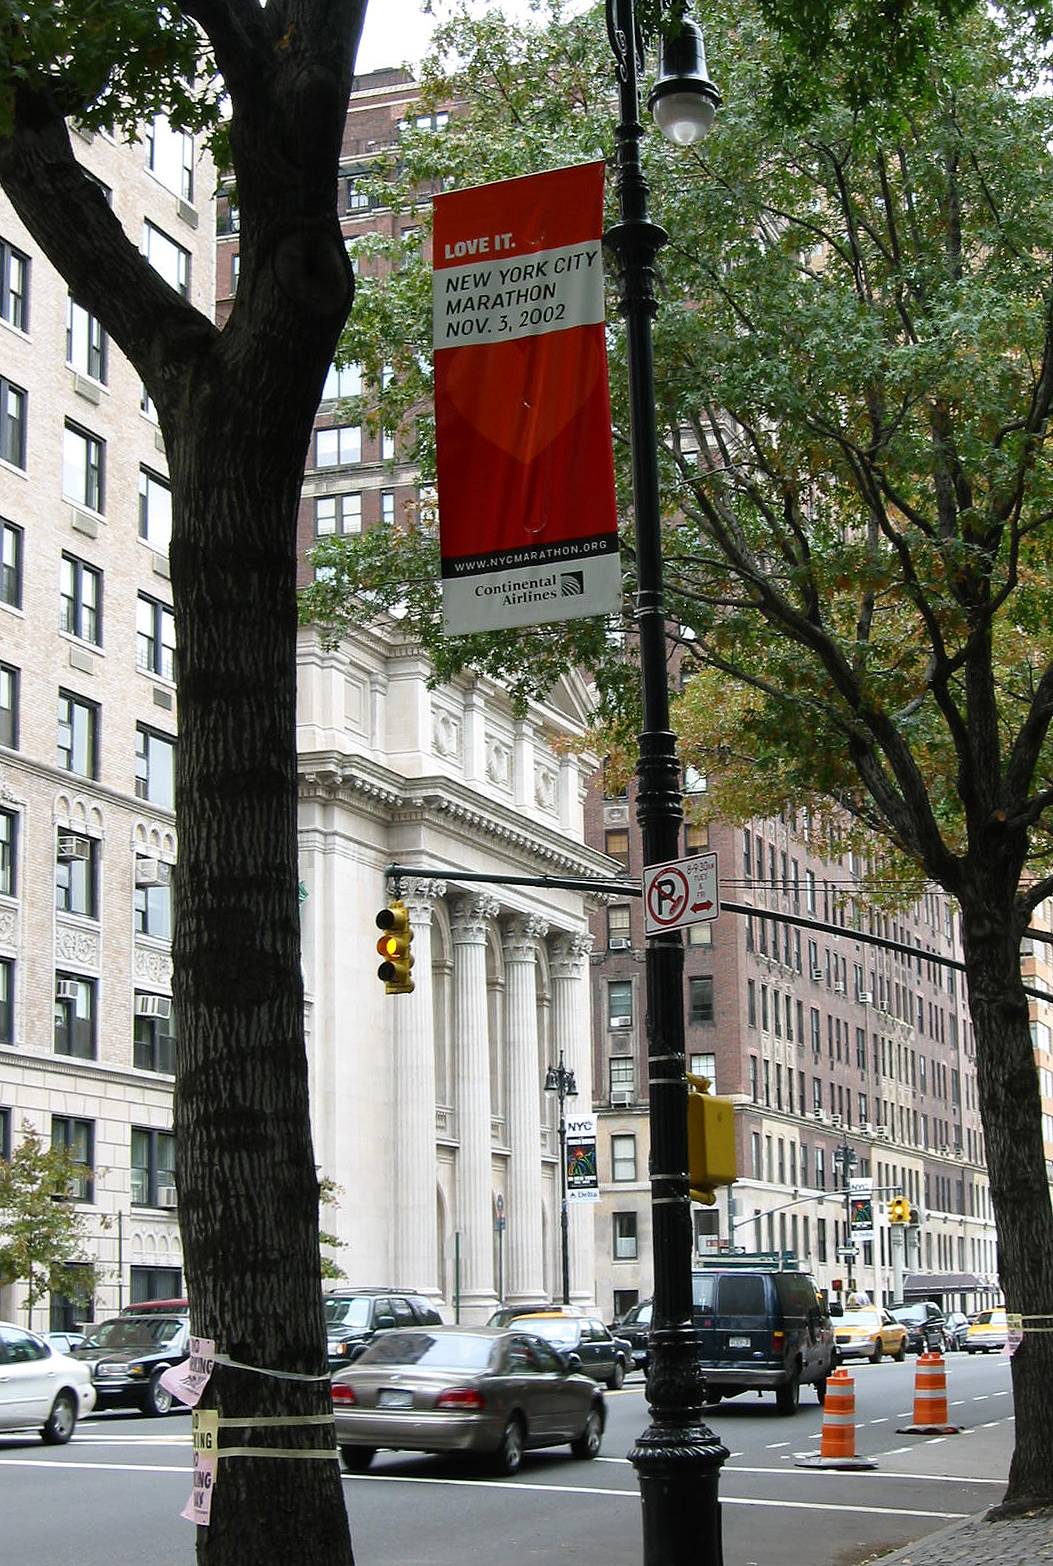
column 680, row 893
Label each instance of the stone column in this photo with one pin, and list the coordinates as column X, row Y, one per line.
column 571, row 1033
column 471, row 1032
column 416, row 1263
column 525, row 1270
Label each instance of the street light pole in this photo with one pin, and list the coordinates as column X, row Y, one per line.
column 677, row 1458
column 560, row 1081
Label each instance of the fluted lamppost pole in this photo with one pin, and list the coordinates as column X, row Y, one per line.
column 677, row 1458
column 559, row 1080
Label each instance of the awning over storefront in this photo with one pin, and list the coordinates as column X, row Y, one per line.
column 920, row 1285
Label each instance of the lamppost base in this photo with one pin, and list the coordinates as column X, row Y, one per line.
column 678, row 1467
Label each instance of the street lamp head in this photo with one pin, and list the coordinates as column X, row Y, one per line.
column 570, row 1086
column 551, row 1080
column 683, row 100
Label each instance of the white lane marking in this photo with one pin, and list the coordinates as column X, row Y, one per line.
column 990, row 1424
column 981, row 1397
column 870, row 1474
column 54, row 1465
column 883, row 1421
column 773, row 1446
column 999, row 1394
column 959, row 1402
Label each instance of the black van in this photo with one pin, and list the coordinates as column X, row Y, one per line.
column 762, row 1331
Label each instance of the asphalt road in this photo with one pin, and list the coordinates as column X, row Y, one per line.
column 113, row 1496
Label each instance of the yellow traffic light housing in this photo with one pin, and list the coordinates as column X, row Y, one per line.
column 394, row 947
column 710, row 1140
column 899, row 1210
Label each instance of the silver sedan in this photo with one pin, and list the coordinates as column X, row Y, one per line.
column 465, row 1389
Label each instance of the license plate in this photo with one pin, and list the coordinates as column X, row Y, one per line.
column 392, row 1397
column 738, row 1343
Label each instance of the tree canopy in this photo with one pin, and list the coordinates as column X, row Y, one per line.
column 44, row 1239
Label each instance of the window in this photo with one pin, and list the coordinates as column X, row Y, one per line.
column 78, row 1137
column 809, row 891
column 235, row 271
column 78, row 723
column 155, row 1283
column 357, row 198
column 619, row 1003
column 153, row 1168
column 8, row 706
column 611, row 789
column 387, row 506
column 337, row 514
column 154, row 1038
column 170, row 156
column 80, row 600
column 155, row 637
column 75, row 1010
column 624, row 1300
column 83, row 467
column 14, row 286
column 387, row 445
column 12, row 423
column 622, row 1078
column 696, row 839
column 623, row 1227
column 167, row 258
column 700, row 934
column 154, row 767
column 343, row 380
column 618, row 927
column 76, row 874
column 694, row 781
column 155, row 510
column 85, row 342
column 11, row 565
column 338, row 446
column 8, row 853
column 701, row 1000
column 623, row 1158
column 7, row 1031
column 152, row 907
column 68, row 1311
column 704, row 1064
column 616, row 844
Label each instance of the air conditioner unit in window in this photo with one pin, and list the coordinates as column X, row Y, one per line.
column 70, row 848
column 820, row 1115
column 619, row 943
column 620, row 1022
column 866, row 998
column 817, row 974
column 152, row 872
column 882, row 1133
column 153, row 1006
column 839, row 988
column 837, row 1122
column 621, row 1096
column 868, row 1129
column 166, row 1196
column 67, row 989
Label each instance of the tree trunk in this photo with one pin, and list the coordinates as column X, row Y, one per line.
column 248, row 1187
column 1010, row 1106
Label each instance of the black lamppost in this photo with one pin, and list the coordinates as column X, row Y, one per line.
column 677, row 1458
column 560, row 1081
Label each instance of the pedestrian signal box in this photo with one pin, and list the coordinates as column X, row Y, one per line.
column 710, row 1140
column 394, row 947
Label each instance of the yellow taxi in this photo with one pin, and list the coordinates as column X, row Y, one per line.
column 866, row 1332
column 989, row 1330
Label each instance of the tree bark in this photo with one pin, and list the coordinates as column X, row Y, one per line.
column 1010, row 1106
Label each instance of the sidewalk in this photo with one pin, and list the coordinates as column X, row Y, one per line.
column 1011, row 1541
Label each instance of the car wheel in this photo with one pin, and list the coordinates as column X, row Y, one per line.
column 876, row 1356
column 901, row 1353
column 61, row 1422
column 156, row 1399
column 356, row 1459
column 509, row 1454
column 588, row 1444
column 969, row 1350
column 617, row 1376
column 788, row 1397
column 820, row 1390
column 711, row 1395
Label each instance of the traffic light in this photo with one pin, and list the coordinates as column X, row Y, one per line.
column 899, row 1210
column 710, row 1140
column 394, row 946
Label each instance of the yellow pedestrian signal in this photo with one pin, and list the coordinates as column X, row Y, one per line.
column 710, row 1140
column 899, row 1210
column 394, row 947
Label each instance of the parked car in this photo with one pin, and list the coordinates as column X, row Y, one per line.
column 762, row 1331
column 166, row 1307
column 868, row 1332
column 465, row 1389
column 353, row 1317
column 63, row 1342
column 635, row 1328
column 926, row 1325
column 505, row 1315
column 128, row 1355
column 957, row 1327
column 989, row 1330
column 39, row 1388
column 600, row 1354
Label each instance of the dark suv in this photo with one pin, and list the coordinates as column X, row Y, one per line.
column 635, row 1327
column 353, row 1317
column 128, row 1355
column 762, row 1331
column 926, row 1325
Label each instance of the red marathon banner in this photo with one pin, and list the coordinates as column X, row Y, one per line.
column 527, row 520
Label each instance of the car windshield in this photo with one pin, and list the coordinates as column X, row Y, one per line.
column 990, row 1318
column 861, row 1318
column 135, row 1332
column 557, row 1329
column 910, row 1313
column 445, row 1351
column 348, row 1313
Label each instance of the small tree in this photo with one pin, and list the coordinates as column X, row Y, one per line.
column 40, row 1229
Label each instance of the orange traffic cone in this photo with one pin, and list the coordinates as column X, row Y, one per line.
column 837, row 1448
column 930, row 1398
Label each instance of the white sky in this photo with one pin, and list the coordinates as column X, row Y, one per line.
column 397, row 32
